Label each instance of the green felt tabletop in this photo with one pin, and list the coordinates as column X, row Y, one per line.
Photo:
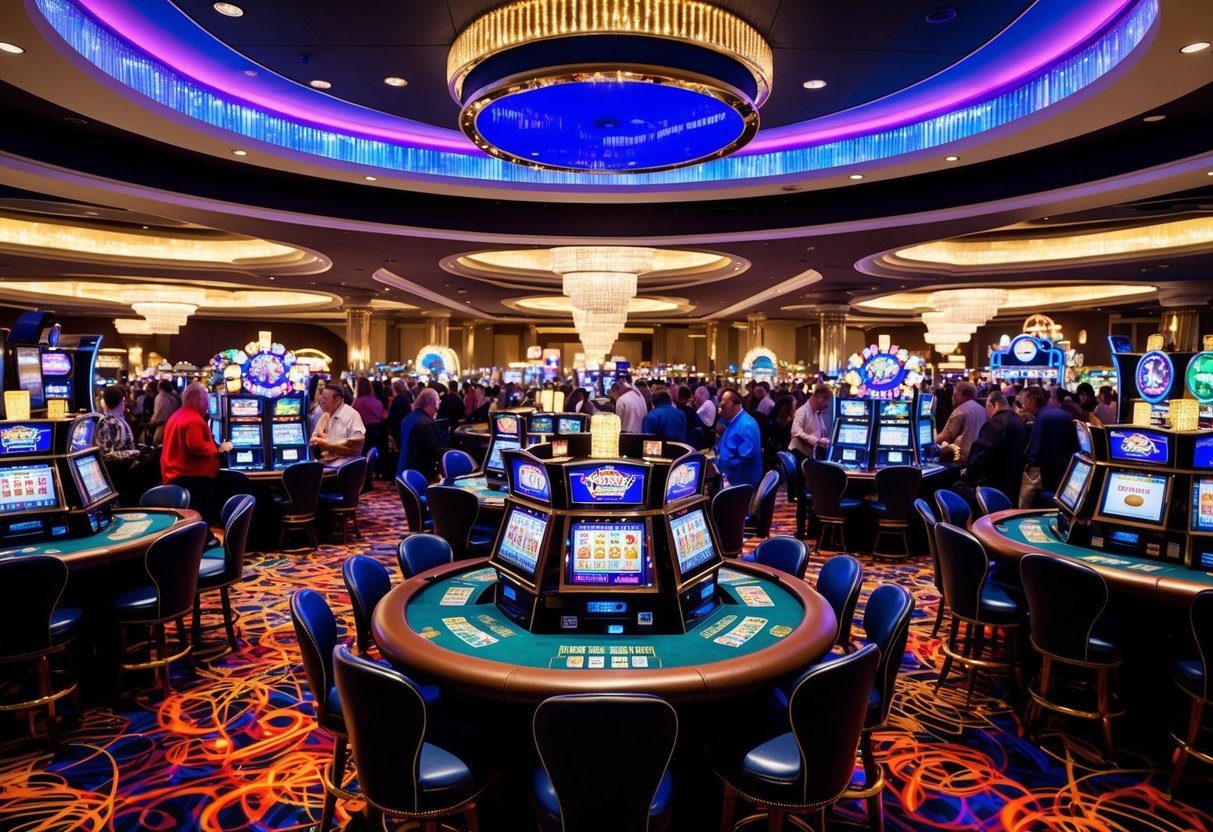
column 470, row 624
column 480, row 487
column 127, row 526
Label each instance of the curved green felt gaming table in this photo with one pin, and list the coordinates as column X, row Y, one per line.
column 442, row 625
column 127, row 537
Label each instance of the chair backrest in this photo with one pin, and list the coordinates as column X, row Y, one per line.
column 301, row 482
column 372, row 464
column 577, row 737
column 788, row 554
column 826, row 710
column 928, row 524
column 414, row 512
column 963, row 566
column 826, row 482
column 416, row 481
column 886, row 623
column 729, row 508
column 1065, row 599
column 237, row 517
column 367, row 581
column 762, row 504
column 897, row 487
column 839, row 582
column 787, row 467
column 454, row 513
column 229, row 483
column 32, row 586
column 456, row 464
column 991, row 499
column 351, row 477
column 953, row 508
column 419, row 552
column 171, row 562
column 165, row 496
column 1201, row 616
column 317, row 634
column 386, row 718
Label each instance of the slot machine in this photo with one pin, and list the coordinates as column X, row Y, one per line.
column 928, row 451
column 287, row 431
column 693, row 547
column 539, row 427
column 894, row 441
column 850, row 445
column 507, row 431
column 528, row 540
column 246, row 432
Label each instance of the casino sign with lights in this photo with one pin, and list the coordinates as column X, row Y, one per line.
column 877, row 374
column 270, row 370
column 1154, row 376
column 1199, row 377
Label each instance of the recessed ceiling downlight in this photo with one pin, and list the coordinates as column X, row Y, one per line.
column 229, row 9
column 11, row 48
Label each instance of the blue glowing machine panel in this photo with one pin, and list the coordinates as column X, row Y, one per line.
column 611, row 483
column 1142, row 446
column 25, row 438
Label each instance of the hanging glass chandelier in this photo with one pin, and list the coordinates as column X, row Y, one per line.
column 973, row 306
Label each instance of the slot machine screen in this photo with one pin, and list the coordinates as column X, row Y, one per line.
column 246, row 436
column 852, row 434
column 1135, row 495
column 925, row 403
column 895, row 436
column 288, row 406
column 692, row 542
column 243, row 408
column 56, row 364
column 82, row 433
column 895, row 410
column 92, row 478
column 1084, row 438
column 522, row 536
column 539, row 424
column 286, row 433
column 1072, row 489
column 853, row 408
column 217, row 432
column 1202, row 505
column 494, row 462
column 212, row 406
column 506, row 424
column 619, row 483
column 29, row 487
column 57, row 390
column 926, row 434
column 29, row 374
column 565, row 425
column 607, row 553
column 1141, row 446
column 1203, row 454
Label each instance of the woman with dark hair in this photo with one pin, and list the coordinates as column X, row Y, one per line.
column 373, row 414
column 1086, row 397
column 575, row 401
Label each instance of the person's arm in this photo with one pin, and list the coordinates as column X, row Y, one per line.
column 199, row 443
column 951, row 429
column 800, row 425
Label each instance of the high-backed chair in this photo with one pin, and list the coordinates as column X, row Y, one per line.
column 165, row 496
column 980, row 605
column 342, row 505
column 788, row 554
column 990, row 500
column 418, row 483
column 372, row 465
column 420, row 552
column 1194, row 679
column 762, row 505
column 297, row 504
column 953, row 508
column 35, row 628
column 367, row 581
column 787, row 468
column 807, row 768
column 454, row 511
column 827, row 482
column 928, row 523
column 164, row 593
column 317, row 634
column 577, row 737
column 839, row 582
column 896, row 489
column 1066, row 605
column 408, row 769
column 223, row 567
column 729, row 508
column 456, row 463
column 415, row 514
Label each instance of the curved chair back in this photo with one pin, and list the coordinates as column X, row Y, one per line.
column 964, row 566
column 1201, row 616
column 372, row 465
column 729, row 508
column 367, row 581
column 414, row 512
column 456, row 464
column 762, row 505
column 417, row 482
column 171, row 562
column 351, row 476
column 229, row 483
column 34, row 584
column 928, row 523
column 419, row 552
column 1065, row 599
column 317, row 634
column 838, row 688
column 991, row 499
column 826, row 482
column 237, row 517
column 787, row 467
column 165, row 496
column 785, row 553
column 953, row 508
column 839, row 582
column 454, row 513
column 886, row 623
column 301, row 482
column 896, row 488
column 597, row 721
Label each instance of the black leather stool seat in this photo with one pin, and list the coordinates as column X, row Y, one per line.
column 65, row 623
column 1189, row 675
column 997, row 607
column 545, row 796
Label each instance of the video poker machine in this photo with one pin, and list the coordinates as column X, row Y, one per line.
column 267, row 434
column 850, row 445
column 49, row 364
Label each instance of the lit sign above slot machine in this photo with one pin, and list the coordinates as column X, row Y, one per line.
column 1154, row 376
column 1199, row 377
column 1139, row 446
column 530, row 479
column 879, row 374
column 611, row 483
column 24, row 439
column 56, row 364
column 685, row 479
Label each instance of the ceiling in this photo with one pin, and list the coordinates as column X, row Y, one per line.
column 88, row 152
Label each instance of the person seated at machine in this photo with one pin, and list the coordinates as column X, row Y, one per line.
column 340, row 432
column 132, row 467
column 996, row 458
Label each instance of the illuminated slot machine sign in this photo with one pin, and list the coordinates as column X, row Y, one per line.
column 1136, row 445
column 1028, row 356
column 881, row 374
column 1154, row 376
column 268, row 371
column 25, row 438
column 615, row 483
column 57, row 375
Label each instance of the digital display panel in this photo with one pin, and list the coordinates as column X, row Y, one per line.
column 853, row 408
column 217, row 431
column 1136, row 496
column 607, row 554
column 692, row 541
column 82, row 434
column 565, row 424
column 23, row 438
column 1202, row 505
column 926, row 402
column 684, row 480
column 614, row 482
column 856, row 435
column 288, row 406
column 539, row 424
column 530, row 479
column 1084, row 437
column 92, row 478
column 926, row 434
column 652, row 448
column 1203, row 454
column 246, row 436
column 895, row 436
column 522, row 540
column 212, row 406
column 285, row 433
column 29, row 373
column 58, row 390
column 506, row 423
column 560, row 448
column 895, row 410
column 1132, row 445
column 56, row 364
column 1071, row 490
column 243, row 408
column 27, row 488
column 500, row 444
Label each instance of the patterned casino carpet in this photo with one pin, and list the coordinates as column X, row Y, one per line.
column 235, row 749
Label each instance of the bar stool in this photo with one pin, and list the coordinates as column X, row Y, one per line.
column 415, row 515
column 419, row 552
column 301, row 484
column 367, row 581
column 223, row 567
column 787, row 467
column 953, row 508
column 788, row 554
column 762, row 505
column 729, row 508
column 1193, row 677
column 455, row 511
column 827, row 482
column 896, row 489
column 165, row 496
column 839, row 582
column 928, row 523
column 456, row 463
column 342, row 505
column 990, row 500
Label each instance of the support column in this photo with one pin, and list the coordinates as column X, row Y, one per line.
column 832, row 323
column 755, row 329
column 437, row 328
column 358, row 338
column 658, row 352
column 1181, row 327
column 709, row 331
column 469, row 345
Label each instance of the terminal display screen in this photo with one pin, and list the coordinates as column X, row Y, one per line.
column 856, row 435
column 212, row 406
column 286, row 433
column 692, row 541
column 925, row 403
column 29, row 373
column 530, row 479
column 522, row 536
column 58, row 390
column 566, row 425
column 853, row 408
column 1134, row 445
column 1203, row 456
column 288, row 406
column 82, row 433
column 607, row 554
column 1084, row 437
column 685, row 479
column 1132, row 495
column 539, row 424
column 246, row 436
column 612, row 482
column 506, row 423
column 895, row 410
column 926, row 434
column 895, row 436
column 92, row 478
column 27, row 488
column 1202, row 505
column 56, row 364
column 500, row 444
column 22, row 438
column 243, row 408
column 1071, row 491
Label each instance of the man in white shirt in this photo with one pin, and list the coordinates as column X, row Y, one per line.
column 765, row 401
column 705, row 408
column 810, row 430
column 630, row 407
column 966, row 420
column 340, row 432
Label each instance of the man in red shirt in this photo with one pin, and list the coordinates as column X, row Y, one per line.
column 190, row 458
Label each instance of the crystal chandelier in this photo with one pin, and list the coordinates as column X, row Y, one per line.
column 599, row 282
column 973, row 306
column 134, row 326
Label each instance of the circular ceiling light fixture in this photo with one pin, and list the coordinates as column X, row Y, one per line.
column 608, row 87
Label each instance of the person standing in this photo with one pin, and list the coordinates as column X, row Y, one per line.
column 810, row 430
column 339, row 433
column 373, row 415
column 965, row 421
column 1105, row 410
column 705, row 408
column 420, row 442
column 630, row 406
column 739, row 448
column 165, row 405
column 190, row 457
column 665, row 420
column 996, row 457
column 1053, row 441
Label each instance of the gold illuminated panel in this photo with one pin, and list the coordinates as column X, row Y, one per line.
column 1030, row 298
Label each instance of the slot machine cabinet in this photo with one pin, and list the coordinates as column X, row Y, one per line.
column 244, row 428
column 81, row 350
column 924, row 428
column 507, row 431
column 287, row 431
column 850, row 446
column 894, row 443
column 540, row 427
column 693, row 549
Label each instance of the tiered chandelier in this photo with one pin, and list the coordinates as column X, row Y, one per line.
column 959, row 312
column 600, row 282
column 164, row 309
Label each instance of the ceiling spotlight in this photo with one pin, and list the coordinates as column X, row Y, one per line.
column 229, row 9
column 11, row 48
column 239, row 152
column 1199, row 46
column 395, row 81
column 951, row 158
column 815, row 84
column 857, row 176
column 1152, row 119
column 319, row 84
column 944, row 14
column 371, row 178
column 252, row 73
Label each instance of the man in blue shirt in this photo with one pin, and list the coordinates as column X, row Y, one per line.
column 739, row 449
column 665, row 420
column 1054, row 439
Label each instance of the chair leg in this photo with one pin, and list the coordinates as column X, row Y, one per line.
column 938, row 617
column 166, row 685
column 229, row 622
column 1180, row 758
column 196, row 629
column 871, row 774
column 775, row 818
column 1105, row 707
column 45, row 690
column 470, row 818
column 947, row 660
column 336, row 769
column 728, row 810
